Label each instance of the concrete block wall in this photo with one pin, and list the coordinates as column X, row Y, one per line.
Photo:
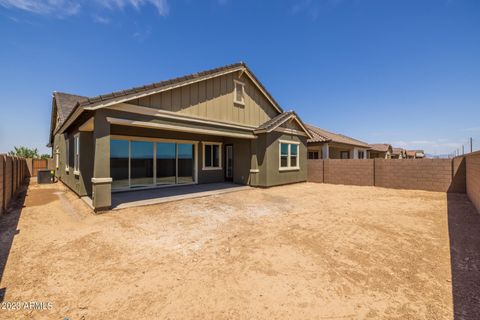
column 2, row 169
column 473, row 178
column 315, row 170
column 417, row 174
column 444, row 175
column 13, row 172
column 357, row 172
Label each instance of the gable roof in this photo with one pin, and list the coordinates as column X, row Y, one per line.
column 398, row 151
column 280, row 119
column 322, row 135
column 380, row 147
column 66, row 102
column 120, row 96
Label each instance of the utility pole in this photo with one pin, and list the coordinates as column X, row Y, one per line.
column 463, row 149
column 471, row 145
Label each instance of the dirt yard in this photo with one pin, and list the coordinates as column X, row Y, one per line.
column 304, row 251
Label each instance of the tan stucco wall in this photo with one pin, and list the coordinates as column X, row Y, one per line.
column 268, row 160
column 213, row 99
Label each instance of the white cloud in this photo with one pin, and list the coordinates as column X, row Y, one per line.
column 69, row 7
column 161, row 5
column 55, row 7
column 100, row 19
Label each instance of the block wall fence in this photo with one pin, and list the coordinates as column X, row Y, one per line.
column 457, row 175
column 13, row 173
column 425, row 174
column 472, row 163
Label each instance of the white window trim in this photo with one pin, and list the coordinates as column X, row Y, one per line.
column 235, row 82
column 288, row 167
column 219, row 144
column 57, row 158
column 76, row 150
column 67, row 154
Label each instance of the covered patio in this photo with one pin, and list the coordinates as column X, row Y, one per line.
column 128, row 199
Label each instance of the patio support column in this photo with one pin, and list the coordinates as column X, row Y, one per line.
column 101, row 181
column 325, row 151
column 365, row 156
column 355, row 153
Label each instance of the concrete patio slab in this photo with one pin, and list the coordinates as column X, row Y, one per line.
column 122, row 200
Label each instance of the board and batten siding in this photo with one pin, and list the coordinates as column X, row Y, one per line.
column 213, row 99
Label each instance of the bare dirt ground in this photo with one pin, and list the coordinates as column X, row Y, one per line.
column 304, row 251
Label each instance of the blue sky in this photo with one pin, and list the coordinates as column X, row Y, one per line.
column 405, row 72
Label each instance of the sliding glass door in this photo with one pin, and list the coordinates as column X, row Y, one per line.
column 119, row 163
column 141, row 164
column 136, row 164
column 186, row 163
column 166, row 163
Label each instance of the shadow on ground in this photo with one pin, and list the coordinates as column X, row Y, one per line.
column 464, row 233
column 8, row 230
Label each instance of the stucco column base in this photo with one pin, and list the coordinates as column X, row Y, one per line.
column 101, row 193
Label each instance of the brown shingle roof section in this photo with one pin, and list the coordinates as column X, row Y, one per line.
column 382, row 147
column 398, row 150
column 321, row 135
column 279, row 119
column 66, row 103
column 121, row 94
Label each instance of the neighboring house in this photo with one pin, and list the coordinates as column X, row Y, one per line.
column 329, row 145
column 380, row 150
column 399, row 153
column 415, row 154
column 213, row 126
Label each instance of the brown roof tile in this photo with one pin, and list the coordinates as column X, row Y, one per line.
column 381, row 147
column 322, row 135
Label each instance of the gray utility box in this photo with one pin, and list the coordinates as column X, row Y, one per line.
column 44, row 176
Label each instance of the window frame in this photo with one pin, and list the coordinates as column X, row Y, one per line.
column 342, row 153
column 67, row 154
column 242, row 84
column 57, row 158
column 219, row 144
column 289, row 167
column 313, row 152
column 76, row 154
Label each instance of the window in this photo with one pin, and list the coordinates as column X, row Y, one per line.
column 361, row 154
column 76, row 154
column 239, row 92
column 344, row 154
column 67, row 153
column 313, row 154
column 212, row 156
column 57, row 160
column 289, row 155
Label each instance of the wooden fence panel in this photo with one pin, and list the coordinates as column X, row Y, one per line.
column 13, row 174
column 39, row 164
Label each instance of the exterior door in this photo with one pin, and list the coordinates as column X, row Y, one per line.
column 229, row 162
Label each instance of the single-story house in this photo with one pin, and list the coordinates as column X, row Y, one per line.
column 415, row 154
column 399, row 153
column 380, row 150
column 329, row 145
column 213, row 126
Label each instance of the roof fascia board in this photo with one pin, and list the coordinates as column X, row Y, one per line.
column 252, row 78
column 144, row 124
column 78, row 111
